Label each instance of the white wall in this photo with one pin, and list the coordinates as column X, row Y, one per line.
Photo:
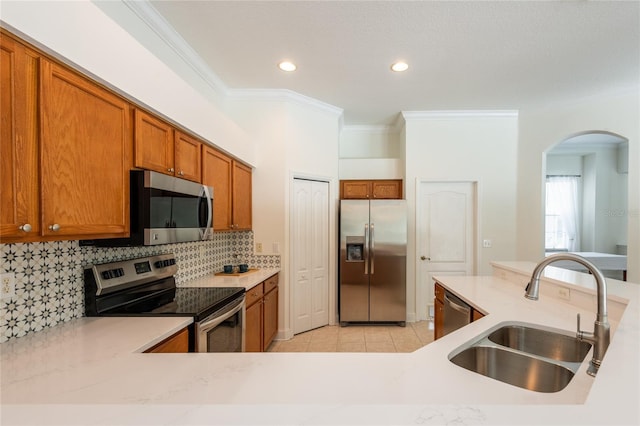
column 80, row 33
column 371, row 152
column 293, row 140
column 465, row 146
column 541, row 129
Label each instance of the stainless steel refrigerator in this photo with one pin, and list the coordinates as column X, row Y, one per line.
column 373, row 258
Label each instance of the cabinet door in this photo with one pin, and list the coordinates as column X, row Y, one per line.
column 355, row 189
column 187, row 156
column 270, row 317
column 438, row 320
column 178, row 343
column 217, row 172
column 476, row 315
column 241, row 197
column 19, row 209
column 386, row 189
column 153, row 141
column 253, row 330
column 85, row 157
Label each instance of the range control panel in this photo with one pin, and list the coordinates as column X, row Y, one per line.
column 114, row 276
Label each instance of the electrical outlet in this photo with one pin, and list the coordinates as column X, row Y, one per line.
column 564, row 293
column 486, row 243
column 258, row 247
column 7, row 286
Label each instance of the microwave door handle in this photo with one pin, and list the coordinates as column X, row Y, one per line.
column 205, row 194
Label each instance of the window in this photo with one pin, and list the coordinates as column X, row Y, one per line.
column 562, row 213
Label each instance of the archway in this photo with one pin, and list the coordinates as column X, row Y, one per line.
column 586, row 190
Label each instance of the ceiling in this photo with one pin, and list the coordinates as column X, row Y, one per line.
column 462, row 55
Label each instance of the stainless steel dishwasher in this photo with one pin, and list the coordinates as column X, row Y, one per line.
column 456, row 313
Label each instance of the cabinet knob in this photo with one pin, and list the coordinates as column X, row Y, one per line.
column 26, row 227
column 181, row 173
column 171, row 169
column 55, row 227
column 424, row 258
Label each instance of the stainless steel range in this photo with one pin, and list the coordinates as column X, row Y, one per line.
column 146, row 287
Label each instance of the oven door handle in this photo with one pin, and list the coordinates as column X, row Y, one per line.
column 220, row 316
column 215, row 319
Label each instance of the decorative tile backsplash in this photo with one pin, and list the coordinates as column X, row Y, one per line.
column 49, row 286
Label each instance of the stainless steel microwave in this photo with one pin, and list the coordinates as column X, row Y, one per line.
column 164, row 210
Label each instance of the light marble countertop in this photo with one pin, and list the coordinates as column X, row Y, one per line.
column 91, row 371
column 247, row 280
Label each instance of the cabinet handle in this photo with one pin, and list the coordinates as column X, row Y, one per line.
column 171, row 169
column 26, row 227
column 55, row 227
column 181, row 173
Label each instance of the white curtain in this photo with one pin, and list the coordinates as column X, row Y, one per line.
column 562, row 213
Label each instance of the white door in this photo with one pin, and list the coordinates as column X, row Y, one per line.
column 446, row 235
column 310, row 254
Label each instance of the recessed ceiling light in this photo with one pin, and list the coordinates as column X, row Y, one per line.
column 287, row 66
column 399, row 66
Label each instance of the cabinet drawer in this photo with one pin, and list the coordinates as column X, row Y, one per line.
column 254, row 294
column 270, row 283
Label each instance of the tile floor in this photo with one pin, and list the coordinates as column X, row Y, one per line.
column 359, row 338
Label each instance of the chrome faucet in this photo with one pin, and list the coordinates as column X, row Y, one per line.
column 600, row 336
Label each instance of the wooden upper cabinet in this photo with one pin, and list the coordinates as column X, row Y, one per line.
column 386, row 189
column 19, row 210
column 217, row 172
column 85, row 157
column 161, row 148
column 355, row 189
column 153, row 142
column 187, row 157
column 231, row 182
column 242, row 195
column 371, row 189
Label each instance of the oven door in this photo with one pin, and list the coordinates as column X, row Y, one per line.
column 224, row 330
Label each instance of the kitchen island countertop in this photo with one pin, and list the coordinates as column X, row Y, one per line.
column 85, row 372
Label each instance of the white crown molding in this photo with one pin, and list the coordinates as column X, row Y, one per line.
column 281, row 95
column 374, row 128
column 435, row 115
column 145, row 11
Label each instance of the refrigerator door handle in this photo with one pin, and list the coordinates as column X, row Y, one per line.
column 372, row 253
column 366, row 249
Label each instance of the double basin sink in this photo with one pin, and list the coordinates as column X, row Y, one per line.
column 526, row 355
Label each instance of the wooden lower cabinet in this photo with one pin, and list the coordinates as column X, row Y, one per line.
column 261, row 317
column 270, row 316
column 178, row 343
column 438, row 317
column 254, row 324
